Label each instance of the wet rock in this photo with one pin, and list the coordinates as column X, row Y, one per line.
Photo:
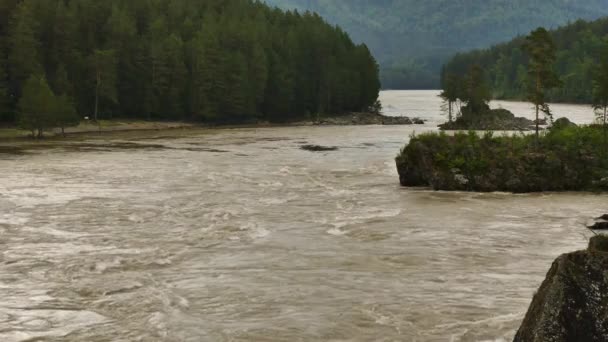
column 599, row 226
column 318, row 148
column 418, row 121
column 572, row 302
column 603, row 217
column 562, row 123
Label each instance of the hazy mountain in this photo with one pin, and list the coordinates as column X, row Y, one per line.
column 412, row 38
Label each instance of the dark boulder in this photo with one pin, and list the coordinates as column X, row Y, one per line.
column 599, row 226
column 603, row 217
column 418, row 121
column 562, row 123
column 318, row 148
column 572, row 302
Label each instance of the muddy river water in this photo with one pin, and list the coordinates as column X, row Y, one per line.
column 239, row 235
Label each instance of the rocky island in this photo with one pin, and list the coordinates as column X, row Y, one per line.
column 489, row 120
column 569, row 158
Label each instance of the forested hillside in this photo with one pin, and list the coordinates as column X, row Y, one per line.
column 413, row 38
column 211, row 60
column 579, row 47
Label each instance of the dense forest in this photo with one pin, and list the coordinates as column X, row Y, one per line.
column 579, row 48
column 204, row 60
column 413, row 38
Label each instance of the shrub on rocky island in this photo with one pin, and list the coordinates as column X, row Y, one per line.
column 566, row 159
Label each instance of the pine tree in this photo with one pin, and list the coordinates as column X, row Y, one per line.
column 103, row 66
column 476, row 93
column 600, row 93
column 36, row 106
column 451, row 91
column 542, row 54
column 64, row 114
column 23, row 56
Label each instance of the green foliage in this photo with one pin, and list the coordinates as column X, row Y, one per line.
column 578, row 49
column 476, row 93
column 36, row 106
column 566, row 159
column 452, row 91
column 471, row 90
column 63, row 113
column 600, row 93
column 218, row 61
column 413, row 38
column 540, row 48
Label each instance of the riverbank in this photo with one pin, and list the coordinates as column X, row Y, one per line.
column 103, row 126
column 109, row 126
column 568, row 159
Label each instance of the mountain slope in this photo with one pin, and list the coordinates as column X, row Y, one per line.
column 413, row 38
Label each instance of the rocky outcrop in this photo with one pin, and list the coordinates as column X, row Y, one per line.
column 602, row 223
column 562, row 123
column 491, row 120
column 368, row 119
column 572, row 302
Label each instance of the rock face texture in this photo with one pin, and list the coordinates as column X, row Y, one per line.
column 572, row 302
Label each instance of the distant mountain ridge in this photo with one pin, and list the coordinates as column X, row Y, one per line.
column 412, row 38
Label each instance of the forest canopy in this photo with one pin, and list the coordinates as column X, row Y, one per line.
column 212, row 60
column 579, row 48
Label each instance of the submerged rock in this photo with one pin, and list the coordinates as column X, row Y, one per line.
column 572, row 302
column 318, row 148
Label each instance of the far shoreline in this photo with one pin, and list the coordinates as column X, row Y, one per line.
column 105, row 127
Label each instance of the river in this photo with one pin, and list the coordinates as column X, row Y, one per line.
column 239, row 235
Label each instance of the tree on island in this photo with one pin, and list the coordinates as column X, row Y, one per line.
column 541, row 51
column 451, row 85
column 35, row 106
column 476, row 93
column 600, row 94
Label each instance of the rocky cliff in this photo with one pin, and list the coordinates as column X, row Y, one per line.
column 572, row 302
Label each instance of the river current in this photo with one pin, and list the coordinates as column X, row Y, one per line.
column 240, row 235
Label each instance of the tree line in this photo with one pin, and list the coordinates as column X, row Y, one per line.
column 218, row 61
column 579, row 48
